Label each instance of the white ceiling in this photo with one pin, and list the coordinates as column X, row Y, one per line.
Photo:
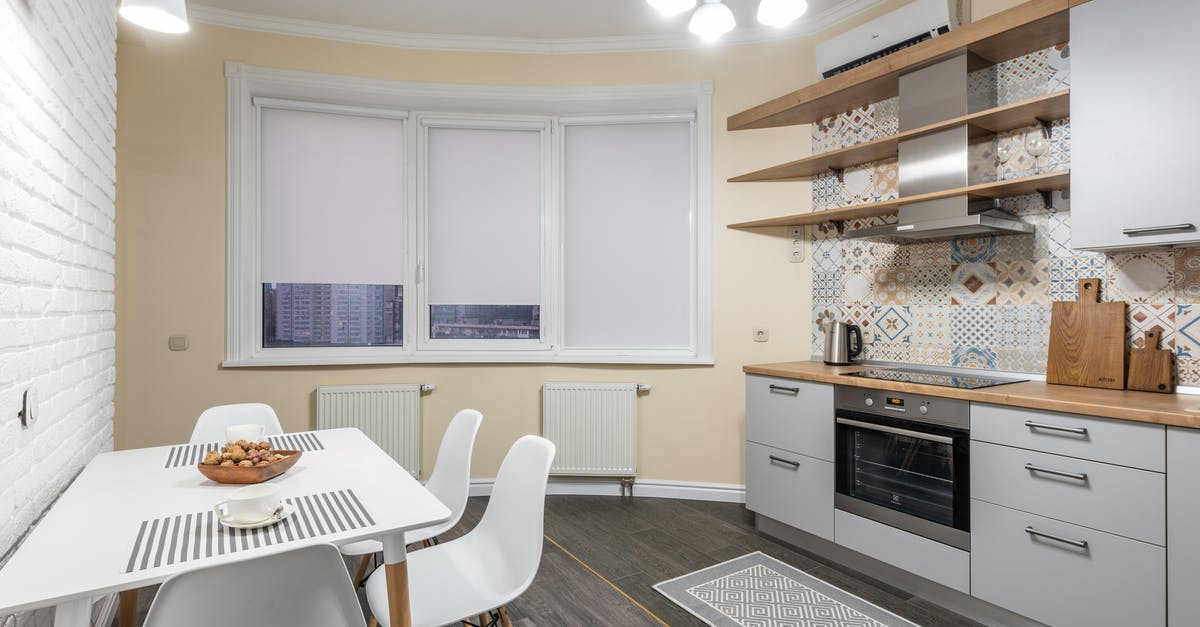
column 518, row 25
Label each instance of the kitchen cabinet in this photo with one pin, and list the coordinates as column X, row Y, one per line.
column 1063, row 574
column 795, row 416
column 794, row 489
column 1183, row 525
column 1132, row 106
column 789, row 452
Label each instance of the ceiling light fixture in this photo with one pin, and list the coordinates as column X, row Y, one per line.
column 164, row 16
column 780, row 13
column 711, row 20
column 672, row 7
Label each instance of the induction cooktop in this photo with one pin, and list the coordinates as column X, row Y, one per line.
column 934, row 377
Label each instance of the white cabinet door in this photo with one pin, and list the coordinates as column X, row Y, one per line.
column 794, row 489
column 795, row 416
column 1183, row 526
column 1133, row 109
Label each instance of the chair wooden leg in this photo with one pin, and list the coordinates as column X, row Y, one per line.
column 127, row 608
column 484, row 619
column 362, row 569
column 371, row 622
column 425, row 544
column 504, row 622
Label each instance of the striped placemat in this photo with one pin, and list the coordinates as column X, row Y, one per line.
column 199, row 535
column 191, row 454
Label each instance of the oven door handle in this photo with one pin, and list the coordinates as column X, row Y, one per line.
column 895, row 430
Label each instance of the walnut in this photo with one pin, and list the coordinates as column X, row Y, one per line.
column 242, row 443
column 276, row 457
column 212, row 458
column 264, row 445
column 228, row 462
column 245, row 463
column 227, row 455
column 237, row 453
column 262, row 463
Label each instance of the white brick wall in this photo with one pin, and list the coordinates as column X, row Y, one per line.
column 57, row 168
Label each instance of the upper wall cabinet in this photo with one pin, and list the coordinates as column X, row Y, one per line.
column 1133, row 123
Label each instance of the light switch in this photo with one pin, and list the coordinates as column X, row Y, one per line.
column 177, row 342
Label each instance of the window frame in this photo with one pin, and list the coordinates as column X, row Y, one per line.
column 250, row 87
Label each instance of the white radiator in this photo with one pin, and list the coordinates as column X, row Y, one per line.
column 594, row 426
column 389, row 414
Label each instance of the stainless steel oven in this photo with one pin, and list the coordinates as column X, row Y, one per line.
column 902, row 460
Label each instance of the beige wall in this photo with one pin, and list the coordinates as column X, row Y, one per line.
column 171, row 248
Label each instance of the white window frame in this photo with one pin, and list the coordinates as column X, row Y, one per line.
column 416, row 103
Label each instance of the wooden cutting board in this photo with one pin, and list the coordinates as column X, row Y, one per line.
column 1087, row 341
column 1151, row 368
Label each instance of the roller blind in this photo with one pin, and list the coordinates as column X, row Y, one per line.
column 332, row 198
column 628, row 235
column 484, row 207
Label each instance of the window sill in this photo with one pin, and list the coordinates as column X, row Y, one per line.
column 471, row 358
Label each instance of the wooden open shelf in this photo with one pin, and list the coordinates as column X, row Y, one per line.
column 1049, row 181
column 1027, row 27
column 1005, row 118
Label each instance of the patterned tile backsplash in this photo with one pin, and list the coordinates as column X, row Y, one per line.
column 984, row 302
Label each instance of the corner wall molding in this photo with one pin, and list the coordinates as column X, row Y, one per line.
column 810, row 25
column 655, row 488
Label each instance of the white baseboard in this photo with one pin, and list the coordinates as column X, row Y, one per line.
column 660, row 488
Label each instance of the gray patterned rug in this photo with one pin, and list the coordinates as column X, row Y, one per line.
column 756, row 590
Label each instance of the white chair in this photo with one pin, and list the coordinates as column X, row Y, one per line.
column 449, row 482
column 307, row 586
column 210, row 426
column 493, row 563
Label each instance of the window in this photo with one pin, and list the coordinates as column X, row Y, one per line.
column 484, row 209
column 384, row 222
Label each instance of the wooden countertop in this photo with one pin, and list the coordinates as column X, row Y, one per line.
column 1163, row 409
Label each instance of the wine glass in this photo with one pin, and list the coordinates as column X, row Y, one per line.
column 1003, row 151
column 1036, row 145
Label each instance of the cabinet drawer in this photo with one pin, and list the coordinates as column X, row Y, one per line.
column 1125, row 501
column 1133, row 444
column 1110, row 581
column 932, row 560
column 792, row 415
column 793, row 489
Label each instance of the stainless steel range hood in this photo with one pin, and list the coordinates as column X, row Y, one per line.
column 959, row 217
column 947, row 159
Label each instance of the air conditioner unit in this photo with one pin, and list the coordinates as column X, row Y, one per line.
column 910, row 24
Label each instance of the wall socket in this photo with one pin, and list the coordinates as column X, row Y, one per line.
column 761, row 334
column 795, row 244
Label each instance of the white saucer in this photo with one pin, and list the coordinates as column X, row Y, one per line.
column 285, row 510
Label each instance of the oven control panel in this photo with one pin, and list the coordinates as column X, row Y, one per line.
column 919, row 407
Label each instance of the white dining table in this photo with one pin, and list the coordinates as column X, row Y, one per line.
column 100, row 536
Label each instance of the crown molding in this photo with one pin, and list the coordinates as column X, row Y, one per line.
column 810, row 25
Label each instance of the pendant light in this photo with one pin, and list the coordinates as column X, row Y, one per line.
column 672, row 7
column 711, row 20
column 164, row 16
column 780, row 13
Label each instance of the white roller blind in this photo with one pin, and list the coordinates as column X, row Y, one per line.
column 484, row 206
column 332, row 193
column 628, row 238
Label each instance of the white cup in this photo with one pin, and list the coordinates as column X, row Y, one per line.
column 247, row 432
column 251, row 504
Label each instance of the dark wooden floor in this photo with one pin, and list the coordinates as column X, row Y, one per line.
column 636, row 543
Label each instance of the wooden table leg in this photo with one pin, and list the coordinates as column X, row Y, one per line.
column 76, row 613
column 127, row 608
column 395, row 568
column 362, row 570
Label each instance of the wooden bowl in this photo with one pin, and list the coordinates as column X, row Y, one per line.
column 250, row 474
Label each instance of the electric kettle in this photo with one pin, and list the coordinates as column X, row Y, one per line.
column 843, row 342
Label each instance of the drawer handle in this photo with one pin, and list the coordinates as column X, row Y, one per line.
column 780, row 388
column 1078, row 476
column 1041, row 425
column 1049, row 536
column 1152, row 230
column 794, row 465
